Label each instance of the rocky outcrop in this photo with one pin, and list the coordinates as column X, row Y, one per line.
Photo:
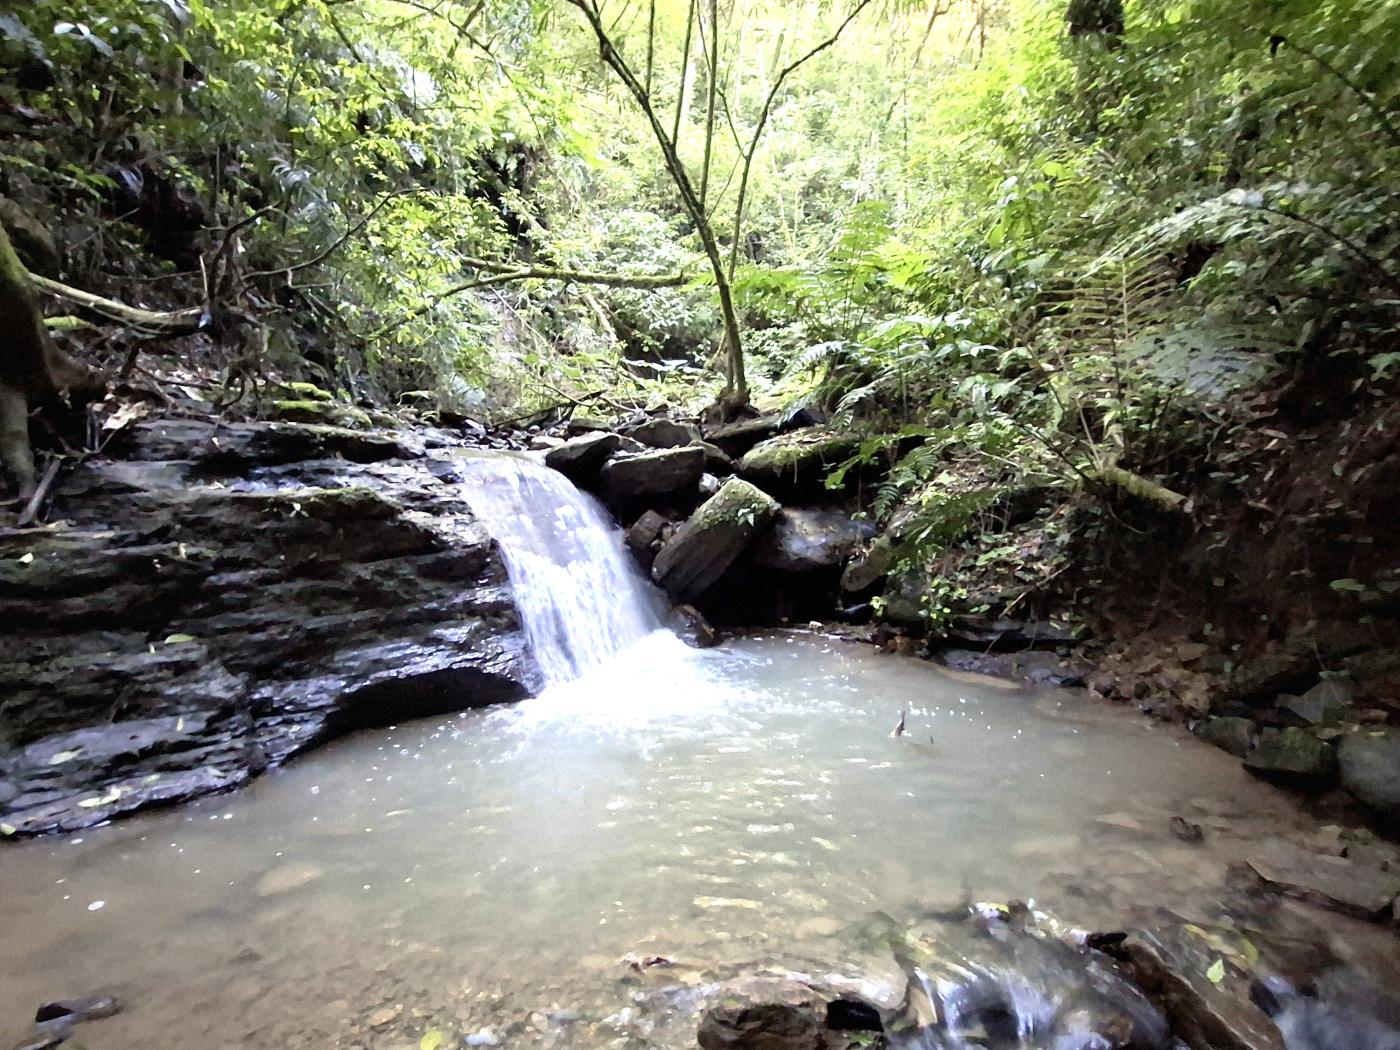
column 764, row 1014
column 228, row 596
column 663, row 433
column 710, row 541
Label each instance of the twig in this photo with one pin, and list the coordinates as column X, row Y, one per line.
column 41, row 492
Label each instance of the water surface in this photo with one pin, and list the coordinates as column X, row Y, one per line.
column 715, row 807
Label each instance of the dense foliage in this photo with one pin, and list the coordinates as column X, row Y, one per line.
column 967, row 231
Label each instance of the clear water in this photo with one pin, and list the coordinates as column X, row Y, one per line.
column 579, row 595
column 488, row 874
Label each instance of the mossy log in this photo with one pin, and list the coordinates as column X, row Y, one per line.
column 1141, row 488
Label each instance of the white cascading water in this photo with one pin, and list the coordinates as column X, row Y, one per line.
column 580, row 598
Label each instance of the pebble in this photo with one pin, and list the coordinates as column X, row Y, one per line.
column 384, row 1015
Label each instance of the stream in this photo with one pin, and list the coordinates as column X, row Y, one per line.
column 488, row 875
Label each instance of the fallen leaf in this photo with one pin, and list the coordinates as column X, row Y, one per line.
column 176, row 639
column 26, row 557
column 1216, row 973
column 65, row 756
column 432, row 1040
column 8, row 829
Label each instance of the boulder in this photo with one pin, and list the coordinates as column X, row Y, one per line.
column 1235, row 735
column 579, row 459
column 764, row 1014
column 665, row 472
column 1370, row 768
column 238, row 623
column 1294, row 755
column 663, row 433
column 798, row 462
column 721, row 529
column 811, row 540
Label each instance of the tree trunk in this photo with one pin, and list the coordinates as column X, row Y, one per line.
column 33, row 372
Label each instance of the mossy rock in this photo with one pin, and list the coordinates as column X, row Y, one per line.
column 800, row 460
column 331, row 413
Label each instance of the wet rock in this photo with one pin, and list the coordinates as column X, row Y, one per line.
column 692, row 628
column 865, row 571
column 1003, row 634
column 663, row 433
column 721, row 529
column 286, row 878
column 1035, row 666
column 717, row 461
column 647, row 530
column 8, row 793
column 1369, row 760
column 584, row 425
column 665, row 472
column 1293, row 755
column 1331, row 882
column 1171, row 967
column 383, row 1016
column 200, row 617
column 87, row 1008
column 579, row 459
column 1186, row 831
column 1324, row 704
column 1235, row 735
column 810, row 540
column 764, row 1014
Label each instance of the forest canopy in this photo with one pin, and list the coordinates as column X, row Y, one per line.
column 967, row 220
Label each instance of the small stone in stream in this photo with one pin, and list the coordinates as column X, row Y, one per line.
column 384, row 1015
column 1331, row 882
column 1234, row 735
column 485, row 1037
column 88, row 1008
column 286, row 878
column 1120, row 821
column 1370, row 768
column 691, row 627
column 1186, row 831
column 47, row 1035
column 1294, row 755
column 8, row 793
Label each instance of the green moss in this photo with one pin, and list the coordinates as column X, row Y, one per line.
column 304, row 392
column 328, row 412
column 799, row 453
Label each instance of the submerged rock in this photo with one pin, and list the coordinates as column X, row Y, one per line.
column 199, row 618
column 1332, row 882
column 764, row 1014
column 1370, row 769
column 1232, row 734
column 721, row 529
column 692, row 628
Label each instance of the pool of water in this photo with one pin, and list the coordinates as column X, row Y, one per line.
column 487, row 875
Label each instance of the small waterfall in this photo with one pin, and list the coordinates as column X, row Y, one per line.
column 581, row 599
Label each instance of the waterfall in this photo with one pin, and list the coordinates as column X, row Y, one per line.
column 580, row 597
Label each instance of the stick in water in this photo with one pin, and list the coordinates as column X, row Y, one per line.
column 901, row 728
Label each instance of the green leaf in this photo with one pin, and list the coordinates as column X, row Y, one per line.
column 432, row 1039
column 8, row 829
column 1216, row 973
column 176, row 639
